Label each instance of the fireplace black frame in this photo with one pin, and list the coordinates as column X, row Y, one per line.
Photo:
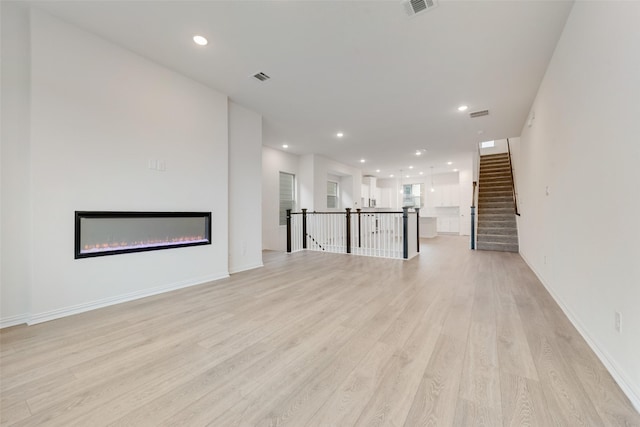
column 78, row 254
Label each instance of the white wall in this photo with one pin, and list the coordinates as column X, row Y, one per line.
column 581, row 237
column 312, row 173
column 245, row 189
column 499, row 147
column 98, row 113
column 350, row 183
column 306, row 182
column 15, row 167
column 273, row 162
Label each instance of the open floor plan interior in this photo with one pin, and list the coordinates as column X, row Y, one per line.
column 153, row 153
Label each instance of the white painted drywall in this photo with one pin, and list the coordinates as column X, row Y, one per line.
column 351, row 183
column 15, row 225
column 98, row 114
column 499, row 147
column 273, row 162
column 578, row 178
column 245, row 188
column 305, row 182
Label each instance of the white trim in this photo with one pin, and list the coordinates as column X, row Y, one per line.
column 618, row 374
column 18, row 319
column 241, row 269
column 81, row 308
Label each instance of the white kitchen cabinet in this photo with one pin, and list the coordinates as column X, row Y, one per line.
column 444, row 196
column 448, row 224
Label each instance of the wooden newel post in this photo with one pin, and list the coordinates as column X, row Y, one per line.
column 348, row 230
column 288, row 230
column 304, row 229
column 405, row 233
column 359, row 228
column 418, row 228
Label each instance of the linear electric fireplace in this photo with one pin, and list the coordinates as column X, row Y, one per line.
column 110, row 233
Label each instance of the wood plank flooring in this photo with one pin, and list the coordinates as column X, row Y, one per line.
column 451, row 338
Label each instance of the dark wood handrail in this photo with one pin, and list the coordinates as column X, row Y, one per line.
column 513, row 182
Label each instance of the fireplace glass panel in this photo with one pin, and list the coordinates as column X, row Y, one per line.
column 108, row 233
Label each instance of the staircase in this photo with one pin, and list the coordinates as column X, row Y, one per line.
column 497, row 229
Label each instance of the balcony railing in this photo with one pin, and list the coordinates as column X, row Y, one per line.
column 369, row 233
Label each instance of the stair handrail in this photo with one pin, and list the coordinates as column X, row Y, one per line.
column 513, row 183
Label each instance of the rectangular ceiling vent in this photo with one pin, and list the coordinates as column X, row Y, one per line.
column 414, row 7
column 479, row 114
column 261, row 76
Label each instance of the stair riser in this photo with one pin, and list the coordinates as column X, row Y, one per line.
column 501, row 163
column 503, row 171
column 495, row 156
column 503, row 231
column 496, row 211
column 494, row 185
column 497, row 247
column 496, row 188
column 490, row 199
column 496, row 224
column 495, row 174
column 495, row 167
column 496, row 216
column 495, row 205
column 490, row 238
column 493, row 194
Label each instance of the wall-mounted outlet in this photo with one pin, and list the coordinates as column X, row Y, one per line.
column 618, row 322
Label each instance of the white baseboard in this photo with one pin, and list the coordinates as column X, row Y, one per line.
column 609, row 362
column 245, row 268
column 81, row 308
column 14, row 320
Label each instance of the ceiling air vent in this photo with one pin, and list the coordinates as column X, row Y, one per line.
column 261, row 76
column 479, row 114
column 414, row 7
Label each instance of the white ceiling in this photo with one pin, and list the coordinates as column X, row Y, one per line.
column 390, row 82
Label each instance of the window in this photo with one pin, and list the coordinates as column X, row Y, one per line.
column 413, row 195
column 487, row 144
column 332, row 195
column 287, row 195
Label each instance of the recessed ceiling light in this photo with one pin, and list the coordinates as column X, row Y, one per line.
column 339, row 134
column 408, row 176
column 391, row 176
column 362, row 160
column 455, row 170
column 418, row 153
column 421, row 173
column 200, row 40
column 378, row 170
column 462, row 108
column 285, row 146
column 449, row 163
column 410, row 167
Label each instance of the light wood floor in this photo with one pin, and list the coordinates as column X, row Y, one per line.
column 451, row 338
